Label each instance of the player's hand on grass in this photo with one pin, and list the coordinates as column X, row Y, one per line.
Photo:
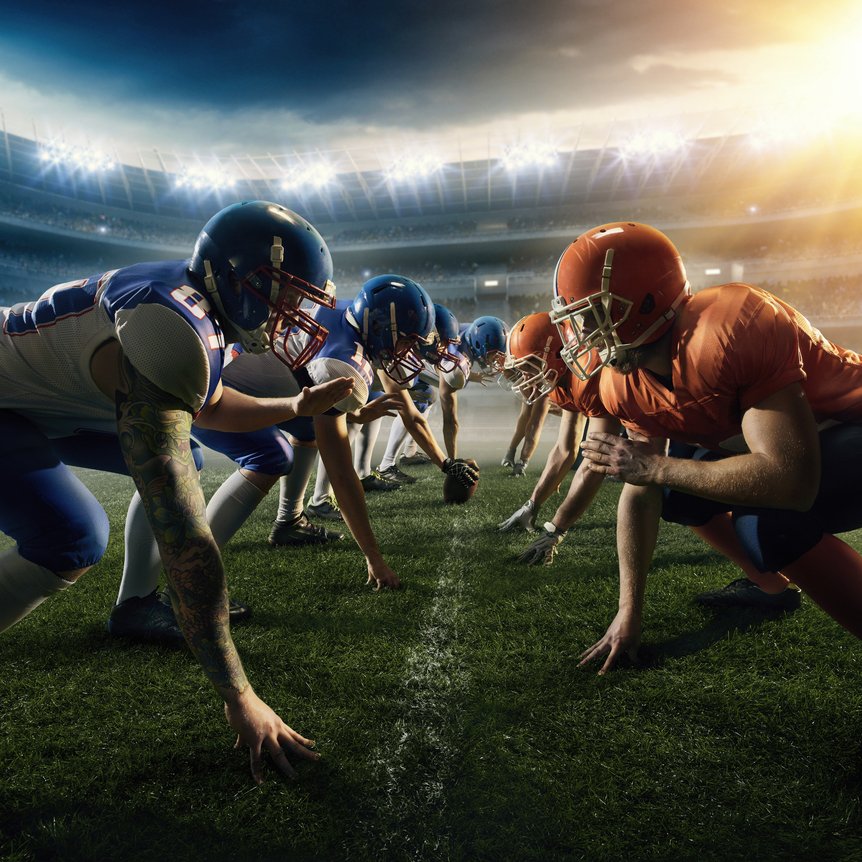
column 544, row 549
column 263, row 732
column 381, row 575
column 525, row 518
column 620, row 643
column 314, row 400
column 385, row 405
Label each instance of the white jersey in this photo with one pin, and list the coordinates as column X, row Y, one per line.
column 163, row 324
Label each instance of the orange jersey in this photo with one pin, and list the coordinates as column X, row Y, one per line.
column 579, row 396
column 733, row 346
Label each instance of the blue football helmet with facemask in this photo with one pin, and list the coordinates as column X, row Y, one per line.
column 259, row 261
column 446, row 335
column 485, row 339
column 394, row 316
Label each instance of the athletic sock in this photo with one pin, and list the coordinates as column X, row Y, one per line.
column 397, row 435
column 231, row 505
column 23, row 587
column 363, row 447
column 720, row 534
column 831, row 574
column 142, row 564
column 292, row 487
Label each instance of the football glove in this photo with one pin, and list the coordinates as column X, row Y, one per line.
column 460, row 469
column 518, row 468
column 525, row 517
column 543, row 550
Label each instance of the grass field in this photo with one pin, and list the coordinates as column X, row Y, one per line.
column 451, row 716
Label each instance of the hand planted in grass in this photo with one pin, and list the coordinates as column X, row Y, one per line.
column 381, row 575
column 620, row 642
column 261, row 730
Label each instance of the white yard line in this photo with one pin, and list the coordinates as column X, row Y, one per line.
column 420, row 757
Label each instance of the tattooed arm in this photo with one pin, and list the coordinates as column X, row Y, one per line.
column 154, row 435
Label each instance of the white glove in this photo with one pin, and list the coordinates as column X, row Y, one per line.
column 542, row 551
column 525, row 518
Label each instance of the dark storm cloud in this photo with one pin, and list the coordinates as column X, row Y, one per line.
column 378, row 63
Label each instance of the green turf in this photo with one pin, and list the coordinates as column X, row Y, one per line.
column 451, row 717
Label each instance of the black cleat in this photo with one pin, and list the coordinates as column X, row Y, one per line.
column 416, row 460
column 375, row 482
column 743, row 593
column 301, row 532
column 146, row 619
column 393, row 474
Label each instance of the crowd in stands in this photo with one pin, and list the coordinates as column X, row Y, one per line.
column 74, row 219
column 823, row 298
column 400, row 231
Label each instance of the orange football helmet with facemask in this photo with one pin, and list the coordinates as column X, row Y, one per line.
column 533, row 357
column 616, row 287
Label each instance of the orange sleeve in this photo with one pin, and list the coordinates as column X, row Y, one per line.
column 765, row 355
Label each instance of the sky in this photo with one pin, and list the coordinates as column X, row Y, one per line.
column 227, row 77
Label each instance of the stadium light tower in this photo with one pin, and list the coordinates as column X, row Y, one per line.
column 210, row 177
column 315, row 176
column 88, row 159
column 414, row 167
column 529, row 154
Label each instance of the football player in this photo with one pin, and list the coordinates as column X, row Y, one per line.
column 483, row 344
column 769, row 409
column 528, row 430
column 442, row 358
column 109, row 372
column 378, row 331
column 538, row 374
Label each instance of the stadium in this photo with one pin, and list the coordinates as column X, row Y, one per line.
column 452, row 716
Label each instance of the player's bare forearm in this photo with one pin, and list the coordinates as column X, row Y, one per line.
column 533, row 429
column 415, row 423
column 449, row 407
column 154, row 436
column 334, row 447
column 585, row 485
column 560, row 459
column 234, row 411
column 638, row 516
column 780, row 471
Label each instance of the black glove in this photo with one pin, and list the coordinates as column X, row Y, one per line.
column 462, row 470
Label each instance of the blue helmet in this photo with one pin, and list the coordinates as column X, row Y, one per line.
column 447, row 335
column 259, row 261
column 486, row 339
column 393, row 314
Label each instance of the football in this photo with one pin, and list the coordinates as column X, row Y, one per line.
column 455, row 492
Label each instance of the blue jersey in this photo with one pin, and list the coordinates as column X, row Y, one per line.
column 342, row 355
column 163, row 322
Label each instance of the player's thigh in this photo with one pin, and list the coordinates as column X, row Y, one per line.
column 265, row 451
column 839, row 503
column 44, row 507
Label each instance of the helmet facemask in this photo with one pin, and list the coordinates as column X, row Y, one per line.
column 590, row 327
column 282, row 293
column 534, row 378
column 399, row 358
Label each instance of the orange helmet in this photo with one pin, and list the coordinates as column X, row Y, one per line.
column 533, row 360
column 617, row 286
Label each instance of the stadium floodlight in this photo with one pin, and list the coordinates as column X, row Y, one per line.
column 414, row 167
column 652, row 144
column 529, row 154
column 88, row 159
column 204, row 177
column 314, row 176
